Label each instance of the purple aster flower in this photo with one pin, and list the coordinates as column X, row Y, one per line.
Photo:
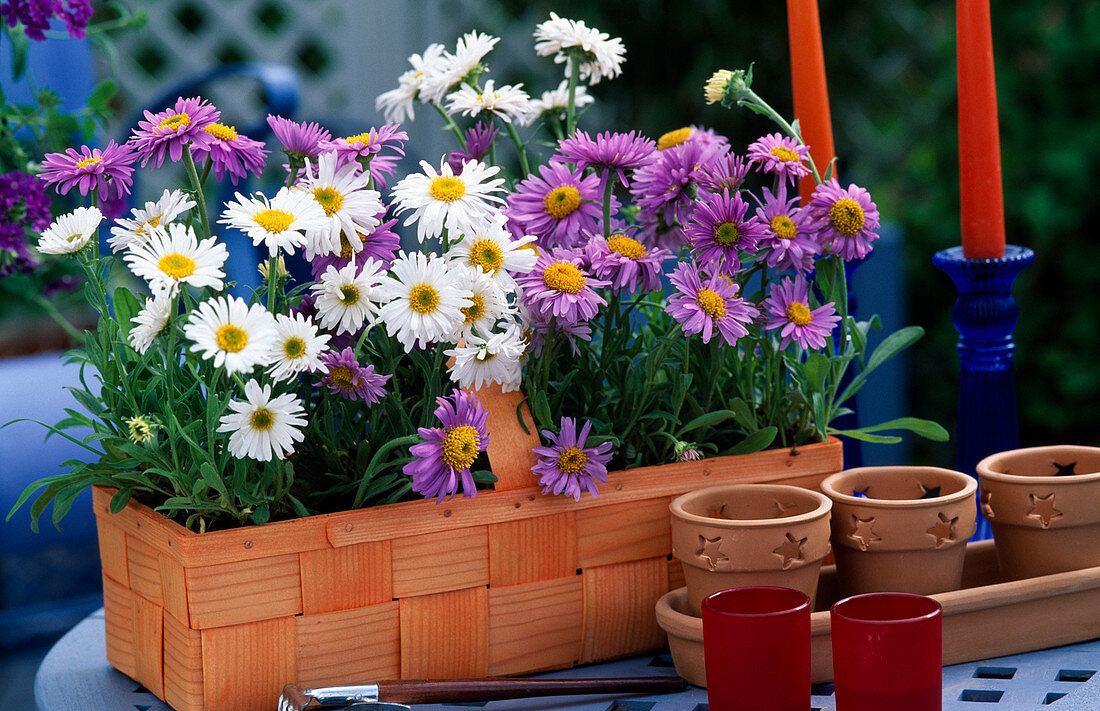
column 108, row 170
column 720, row 232
column 788, row 307
column 782, row 155
column 381, row 244
column 168, row 131
column 725, row 173
column 542, row 327
column 558, row 286
column 350, row 380
column 35, row 16
column 370, row 145
column 568, row 466
column 844, row 222
column 609, row 151
column 664, row 189
column 691, row 133
column 708, row 308
column 444, row 458
column 62, row 284
column 479, row 139
column 300, row 139
column 786, row 242
column 23, row 201
column 231, row 153
column 556, row 205
column 625, row 262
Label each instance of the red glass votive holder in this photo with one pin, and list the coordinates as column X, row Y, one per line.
column 756, row 646
column 887, row 652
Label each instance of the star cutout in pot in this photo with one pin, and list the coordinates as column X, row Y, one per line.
column 1043, row 509
column 863, row 532
column 786, row 509
column 717, row 512
column 860, row 493
column 1065, row 469
column 987, row 510
column 929, row 492
column 790, row 550
column 708, row 551
column 944, row 530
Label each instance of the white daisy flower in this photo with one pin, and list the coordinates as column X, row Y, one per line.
column 134, row 232
column 497, row 359
column 281, row 222
column 422, row 301
column 470, row 49
column 556, row 101
column 510, row 103
column 490, row 301
column 263, row 425
column 445, row 200
column 345, row 297
column 603, row 56
column 175, row 256
column 71, row 232
column 151, row 320
column 491, row 248
column 397, row 104
column 350, row 207
column 236, row 335
column 297, row 347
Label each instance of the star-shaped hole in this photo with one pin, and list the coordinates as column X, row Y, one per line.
column 717, row 511
column 860, row 493
column 1042, row 508
column 790, row 550
column 786, row 509
column 944, row 530
column 987, row 510
column 708, row 551
column 1065, row 469
column 863, row 532
column 929, row 492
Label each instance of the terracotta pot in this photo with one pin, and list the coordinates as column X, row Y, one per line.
column 907, row 532
column 749, row 534
column 1044, row 506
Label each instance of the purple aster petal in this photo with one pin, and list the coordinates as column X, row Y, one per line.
column 608, row 151
column 710, row 307
column 568, row 466
column 167, row 132
column 558, row 286
column 626, row 262
column 843, row 221
column 663, row 190
column 232, row 153
column 350, row 380
column 720, row 231
column 788, row 308
column 302, row 139
column 108, row 170
column 781, row 155
column 556, row 205
column 787, row 243
column 433, row 473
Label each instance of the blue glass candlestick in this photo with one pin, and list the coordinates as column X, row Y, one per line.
column 984, row 315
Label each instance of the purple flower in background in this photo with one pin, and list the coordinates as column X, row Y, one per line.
column 231, row 152
column 608, row 151
column 24, row 206
column 370, row 145
column 557, row 286
column 301, row 139
column 691, row 133
column 350, row 380
column 35, row 16
column 165, row 133
column 788, row 308
column 720, row 232
column 541, row 328
column 844, row 222
column 708, row 308
column 556, row 205
column 444, row 458
column 478, row 140
column 725, row 173
column 663, row 190
column 625, row 262
column 567, row 466
column 108, row 170
column 786, row 242
column 782, row 155
column 381, row 244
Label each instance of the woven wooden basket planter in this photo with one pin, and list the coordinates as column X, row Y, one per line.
column 509, row 582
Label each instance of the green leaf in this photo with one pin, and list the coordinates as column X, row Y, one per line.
column 100, row 98
column 816, row 369
column 120, row 499
column 211, row 476
column 541, row 410
column 925, row 428
column 865, row 437
column 743, row 413
column 755, row 442
column 261, row 514
column 706, row 420
column 894, row 344
column 126, row 308
column 19, row 44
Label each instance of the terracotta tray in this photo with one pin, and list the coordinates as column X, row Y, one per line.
column 986, row 618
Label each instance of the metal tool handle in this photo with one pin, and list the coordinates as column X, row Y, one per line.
column 411, row 691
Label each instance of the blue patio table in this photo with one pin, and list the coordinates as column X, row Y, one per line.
column 75, row 676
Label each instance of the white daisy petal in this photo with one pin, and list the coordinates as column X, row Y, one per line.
column 297, row 347
column 350, row 207
column 151, row 320
column 497, row 359
column 603, row 55
column 555, row 102
column 71, row 232
column 458, row 202
column 130, row 233
column 263, row 426
column 237, row 336
column 422, row 300
column 281, row 223
column 491, row 248
column 344, row 297
column 510, row 103
column 175, row 256
column 489, row 301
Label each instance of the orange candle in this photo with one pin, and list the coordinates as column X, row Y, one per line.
column 811, row 95
column 980, row 199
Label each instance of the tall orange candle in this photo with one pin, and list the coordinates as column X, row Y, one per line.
column 980, row 199
column 811, row 95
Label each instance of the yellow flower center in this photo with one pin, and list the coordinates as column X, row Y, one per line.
column 847, row 216
column 342, row 377
column 363, row 138
column 294, row 347
column 141, row 430
column 177, row 265
column 87, row 162
column 674, row 138
column 221, row 132
column 726, row 234
column 273, row 220
column 231, row 338
column 572, row 460
column 447, row 189
column 798, row 313
column 424, row 299
column 175, row 121
column 476, row 311
column 349, row 293
column 564, row 276
column 784, row 154
column 460, row 447
column 626, row 246
column 347, row 250
column 328, row 198
column 783, row 227
column 485, row 253
column 262, row 419
column 711, row 303
column 562, row 201
column 153, row 221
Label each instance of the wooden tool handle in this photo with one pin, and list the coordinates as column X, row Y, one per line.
column 411, row 691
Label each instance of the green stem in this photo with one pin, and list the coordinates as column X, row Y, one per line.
column 451, row 125
column 196, row 185
column 571, row 107
column 77, row 337
column 521, row 150
column 609, row 188
column 763, row 107
column 272, row 281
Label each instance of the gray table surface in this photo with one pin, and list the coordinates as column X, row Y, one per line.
column 75, row 676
